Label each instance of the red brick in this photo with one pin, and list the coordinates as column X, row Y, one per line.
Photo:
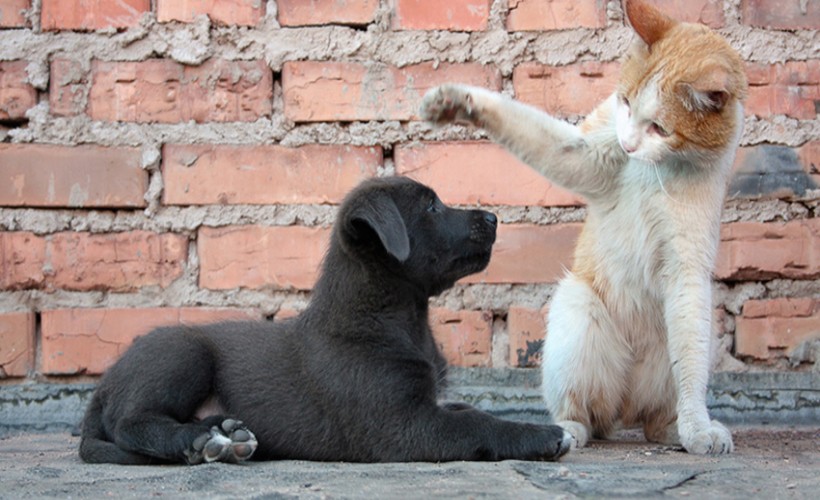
column 260, row 257
column 527, row 253
column 318, row 12
column 533, row 15
column 790, row 89
column 81, row 261
column 11, row 13
column 204, row 174
column 88, row 341
column 781, row 14
column 78, row 176
column 16, row 344
column 464, row 337
column 164, row 91
column 773, row 328
column 469, row 173
column 238, row 12
column 452, row 15
column 92, row 14
column 527, row 330
column 16, row 95
column 338, row 91
column 68, row 86
column 565, row 90
column 708, row 12
column 752, row 250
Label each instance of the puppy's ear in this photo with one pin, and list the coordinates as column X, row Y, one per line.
column 380, row 213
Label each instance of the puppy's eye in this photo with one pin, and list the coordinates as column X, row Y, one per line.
column 433, row 206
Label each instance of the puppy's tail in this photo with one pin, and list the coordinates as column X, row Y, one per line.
column 95, row 447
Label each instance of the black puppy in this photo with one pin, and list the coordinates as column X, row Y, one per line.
column 353, row 378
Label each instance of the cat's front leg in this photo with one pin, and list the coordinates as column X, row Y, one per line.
column 689, row 329
column 555, row 148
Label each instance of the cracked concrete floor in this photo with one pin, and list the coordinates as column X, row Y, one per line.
column 768, row 463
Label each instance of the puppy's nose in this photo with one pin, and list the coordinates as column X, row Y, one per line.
column 491, row 219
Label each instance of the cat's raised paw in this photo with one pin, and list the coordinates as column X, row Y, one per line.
column 448, row 103
column 712, row 440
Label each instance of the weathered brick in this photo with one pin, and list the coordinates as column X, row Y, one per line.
column 452, row 15
column 82, row 261
column 752, row 250
column 533, row 15
column 68, row 87
column 340, row 91
column 230, row 12
column 78, row 176
column 791, row 89
column 527, row 330
column 773, row 328
column 164, row 91
column 88, row 341
column 260, row 257
column 771, row 171
column 92, row 14
column 16, row 344
column 469, row 173
column 319, row 12
column 527, row 253
column 464, row 337
column 16, row 95
column 565, row 90
column 781, row 14
column 11, row 13
column 201, row 174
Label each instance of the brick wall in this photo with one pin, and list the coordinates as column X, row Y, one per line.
column 176, row 161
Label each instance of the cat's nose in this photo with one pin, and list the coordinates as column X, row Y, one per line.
column 629, row 148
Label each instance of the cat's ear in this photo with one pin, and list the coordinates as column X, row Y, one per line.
column 709, row 93
column 648, row 22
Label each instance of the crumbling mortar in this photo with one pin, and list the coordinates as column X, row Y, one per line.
column 165, row 218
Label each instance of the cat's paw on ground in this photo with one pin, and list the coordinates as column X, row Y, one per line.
column 715, row 439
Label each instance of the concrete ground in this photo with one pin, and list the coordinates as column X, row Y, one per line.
column 769, row 463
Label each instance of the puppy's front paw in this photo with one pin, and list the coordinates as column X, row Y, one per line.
column 577, row 432
column 448, row 103
column 712, row 440
column 558, row 443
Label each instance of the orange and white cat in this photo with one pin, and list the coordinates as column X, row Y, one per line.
column 629, row 333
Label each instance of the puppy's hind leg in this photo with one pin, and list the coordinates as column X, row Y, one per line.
column 585, row 363
column 217, row 438
column 154, row 412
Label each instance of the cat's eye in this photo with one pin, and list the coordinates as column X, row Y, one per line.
column 654, row 128
column 433, row 206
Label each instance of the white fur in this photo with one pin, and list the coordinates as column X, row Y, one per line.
column 633, row 125
column 636, row 350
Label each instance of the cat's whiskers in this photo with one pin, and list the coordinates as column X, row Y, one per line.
column 663, row 188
